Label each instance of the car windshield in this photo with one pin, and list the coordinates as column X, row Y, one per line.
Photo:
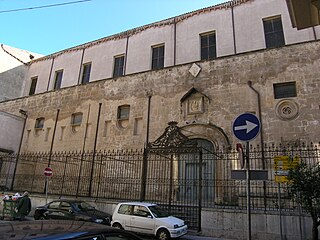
column 158, row 212
column 83, row 206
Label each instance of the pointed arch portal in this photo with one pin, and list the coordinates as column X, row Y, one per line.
column 178, row 171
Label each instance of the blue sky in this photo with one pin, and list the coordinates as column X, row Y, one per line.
column 50, row 29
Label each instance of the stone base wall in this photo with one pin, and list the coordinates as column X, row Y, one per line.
column 232, row 224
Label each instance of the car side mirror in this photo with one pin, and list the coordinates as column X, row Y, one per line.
column 149, row 216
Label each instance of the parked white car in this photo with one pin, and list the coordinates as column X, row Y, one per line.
column 147, row 218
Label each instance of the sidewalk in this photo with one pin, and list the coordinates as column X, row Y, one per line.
column 193, row 235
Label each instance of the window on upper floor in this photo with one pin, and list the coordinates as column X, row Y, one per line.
column 118, row 66
column 39, row 123
column 86, row 69
column 284, row 90
column 208, row 46
column 157, row 57
column 76, row 119
column 273, row 32
column 33, row 85
column 58, row 79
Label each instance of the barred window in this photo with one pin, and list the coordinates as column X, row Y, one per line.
column 284, row 90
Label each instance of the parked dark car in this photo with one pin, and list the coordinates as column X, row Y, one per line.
column 71, row 210
column 61, row 230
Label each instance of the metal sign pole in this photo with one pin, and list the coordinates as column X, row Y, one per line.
column 248, row 191
column 47, row 184
column 246, row 127
column 279, row 205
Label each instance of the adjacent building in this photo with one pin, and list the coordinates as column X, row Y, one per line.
column 13, row 70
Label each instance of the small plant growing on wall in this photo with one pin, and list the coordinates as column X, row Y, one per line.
column 303, row 187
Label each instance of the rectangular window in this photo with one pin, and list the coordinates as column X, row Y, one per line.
column 284, row 90
column 157, row 57
column 39, row 123
column 86, row 69
column 76, row 119
column 273, row 32
column 118, row 66
column 208, row 46
column 58, row 79
column 33, row 86
column 123, row 112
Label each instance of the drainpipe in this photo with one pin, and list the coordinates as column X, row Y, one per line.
column 126, row 56
column 86, row 130
column 94, row 148
column 145, row 156
column 19, row 150
column 50, row 73
column 259, row 114
column 80, row 68
column 261, row 142
column 148, row 120
column 233, row 31
column 53, row 135
column 174, row 41
column 314, row 33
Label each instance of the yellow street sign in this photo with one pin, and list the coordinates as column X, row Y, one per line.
column 282, row 165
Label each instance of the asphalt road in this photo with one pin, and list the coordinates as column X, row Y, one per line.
column 189, row 236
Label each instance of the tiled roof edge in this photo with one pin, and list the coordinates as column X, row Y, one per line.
column 134, row 31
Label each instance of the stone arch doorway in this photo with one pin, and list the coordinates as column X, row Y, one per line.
column 189, row 168
column 213, row 141
column 210, row 132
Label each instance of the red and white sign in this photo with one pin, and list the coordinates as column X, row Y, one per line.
column 48, row 172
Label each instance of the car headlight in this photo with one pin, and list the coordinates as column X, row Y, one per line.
column 98, row 220
column 176, row 226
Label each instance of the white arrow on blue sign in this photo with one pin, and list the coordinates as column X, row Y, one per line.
column 246, row 127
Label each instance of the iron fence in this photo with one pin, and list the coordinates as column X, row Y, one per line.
column 198, row 178
column 170, row 177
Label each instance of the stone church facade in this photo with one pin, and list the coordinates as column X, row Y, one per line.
column 204, row 105
column 199, row 69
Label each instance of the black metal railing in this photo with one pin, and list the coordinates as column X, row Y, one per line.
column 175, row 178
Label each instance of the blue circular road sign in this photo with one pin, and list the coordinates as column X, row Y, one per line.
column 246, row 127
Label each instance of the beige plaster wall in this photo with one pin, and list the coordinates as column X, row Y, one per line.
column 223, row 82
column 238, row 30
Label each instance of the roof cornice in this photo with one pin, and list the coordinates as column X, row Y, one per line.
column 131, row 32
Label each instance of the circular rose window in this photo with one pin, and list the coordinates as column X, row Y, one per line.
column 287, row 110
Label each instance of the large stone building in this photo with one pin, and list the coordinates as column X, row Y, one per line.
column 201, row 69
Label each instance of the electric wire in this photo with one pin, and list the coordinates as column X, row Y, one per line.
column 44, row 6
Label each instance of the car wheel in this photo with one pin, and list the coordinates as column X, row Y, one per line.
column 117, row 225
column 108, row 221
column 163, row 234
